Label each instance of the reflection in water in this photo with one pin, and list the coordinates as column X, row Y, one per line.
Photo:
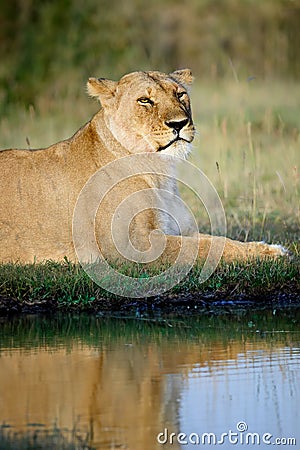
column 120, row 383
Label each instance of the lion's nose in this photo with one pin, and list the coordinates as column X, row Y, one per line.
column 177, row 125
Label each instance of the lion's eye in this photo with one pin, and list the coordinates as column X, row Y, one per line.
column 181, row 94
column 145, row 101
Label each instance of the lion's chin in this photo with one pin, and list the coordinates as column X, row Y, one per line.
column 178, row 149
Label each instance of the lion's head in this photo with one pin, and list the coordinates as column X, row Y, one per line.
column 148, row 111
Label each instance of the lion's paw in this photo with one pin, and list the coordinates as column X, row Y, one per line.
column 280, row 250
column 274, row 250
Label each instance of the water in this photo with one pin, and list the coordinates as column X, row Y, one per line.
column 85, row 382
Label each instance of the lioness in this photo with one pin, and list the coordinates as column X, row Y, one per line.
column 143, row 112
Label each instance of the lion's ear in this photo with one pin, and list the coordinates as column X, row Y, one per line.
column 183, row 76
column 101, row 88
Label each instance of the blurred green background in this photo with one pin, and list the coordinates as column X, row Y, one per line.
column 49, row 47
column 244, row 55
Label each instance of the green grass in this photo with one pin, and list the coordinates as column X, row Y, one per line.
column 248, row 145
column 67, row 286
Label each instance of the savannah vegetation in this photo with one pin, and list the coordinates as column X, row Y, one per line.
column 246, row 102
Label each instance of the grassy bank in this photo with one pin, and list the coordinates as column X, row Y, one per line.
column 65, row 286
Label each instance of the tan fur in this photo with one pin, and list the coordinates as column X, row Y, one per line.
column 39, row 188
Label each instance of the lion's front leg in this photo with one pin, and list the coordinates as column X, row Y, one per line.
column 243, row 251
column 216, row 247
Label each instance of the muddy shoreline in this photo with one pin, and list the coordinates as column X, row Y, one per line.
column 161, row 306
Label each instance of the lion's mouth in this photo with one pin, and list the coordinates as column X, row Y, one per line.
column 164, row 147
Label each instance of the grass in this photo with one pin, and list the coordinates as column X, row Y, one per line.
column 248, row 145
column 66, row 286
